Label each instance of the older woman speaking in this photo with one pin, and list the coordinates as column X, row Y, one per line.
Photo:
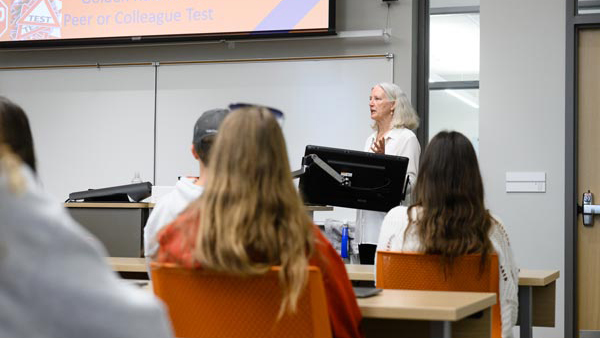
column 394, row 122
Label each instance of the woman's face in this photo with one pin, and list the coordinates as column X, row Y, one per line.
column 380, row 106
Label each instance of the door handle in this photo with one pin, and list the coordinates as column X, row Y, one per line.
column 588, row 209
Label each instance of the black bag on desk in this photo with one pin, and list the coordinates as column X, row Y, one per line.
column 121, row 193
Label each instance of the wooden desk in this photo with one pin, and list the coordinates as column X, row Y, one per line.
column 127, row 264
column 537, row 300
column 537, row 295
column 361, row 272
column 312, row 208
column 411, row 313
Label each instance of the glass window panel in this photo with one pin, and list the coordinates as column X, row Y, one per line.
column 588, row 6
column 454, row 47
column 452, row 3
column 455, row 110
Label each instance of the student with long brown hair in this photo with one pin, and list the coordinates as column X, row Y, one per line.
column 449, row 217
column 250, row 217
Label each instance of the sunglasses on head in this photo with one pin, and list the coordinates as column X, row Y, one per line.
column 276, row 112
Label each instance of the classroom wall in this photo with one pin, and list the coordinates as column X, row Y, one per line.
column 521, row 101
column 521, row 128
column 352, row 15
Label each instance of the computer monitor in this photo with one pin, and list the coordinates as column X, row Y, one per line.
column 368, row 181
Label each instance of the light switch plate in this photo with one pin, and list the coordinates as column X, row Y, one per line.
column 525, row 181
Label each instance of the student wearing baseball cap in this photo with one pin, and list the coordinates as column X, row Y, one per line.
column 186, row 189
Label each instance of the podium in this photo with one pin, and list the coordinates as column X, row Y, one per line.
column 119, row 226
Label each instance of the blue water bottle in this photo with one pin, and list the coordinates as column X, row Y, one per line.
column 345, row 241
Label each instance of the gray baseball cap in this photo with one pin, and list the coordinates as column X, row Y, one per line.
column 208, row 123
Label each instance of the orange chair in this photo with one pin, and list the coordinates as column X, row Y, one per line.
column 211, row 304
column 416, row 271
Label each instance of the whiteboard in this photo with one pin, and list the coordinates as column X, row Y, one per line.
column 92, row 127
column 325, row 103
column 95, row 127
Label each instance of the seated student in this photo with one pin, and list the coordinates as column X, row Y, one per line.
column 250, row 217
column 17, row 133
column 449, row 217
column 54, row 280
column 186, row 189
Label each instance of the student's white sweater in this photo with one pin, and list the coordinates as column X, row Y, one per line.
column 392, row 238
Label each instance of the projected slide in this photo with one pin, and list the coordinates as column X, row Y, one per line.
column 79, row 19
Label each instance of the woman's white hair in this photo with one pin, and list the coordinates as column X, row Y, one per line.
column 404, row 115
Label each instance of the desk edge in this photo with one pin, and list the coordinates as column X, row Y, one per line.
column 552, row 275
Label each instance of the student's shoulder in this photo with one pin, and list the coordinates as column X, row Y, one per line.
column 396, row 217
column 47, row 219
column 497, row 224
column 498, row 231
column 399, row 216
column 164, row 201
column 45, row 229
column 177, row 198
column 399, row 211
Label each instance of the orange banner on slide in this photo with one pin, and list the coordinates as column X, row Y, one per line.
column 71, row 19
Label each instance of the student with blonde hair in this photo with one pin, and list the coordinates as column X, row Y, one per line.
column 250, row 217
column 54, row 280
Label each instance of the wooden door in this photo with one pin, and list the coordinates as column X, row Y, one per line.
column 588, row 144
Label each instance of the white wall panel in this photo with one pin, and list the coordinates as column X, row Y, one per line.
column 92, row 127
column 521, row 128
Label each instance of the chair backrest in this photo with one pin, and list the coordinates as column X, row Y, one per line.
column 416, row 271
column 211, row 304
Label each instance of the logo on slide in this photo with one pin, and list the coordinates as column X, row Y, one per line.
column 35, row 19
column 3, row 17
